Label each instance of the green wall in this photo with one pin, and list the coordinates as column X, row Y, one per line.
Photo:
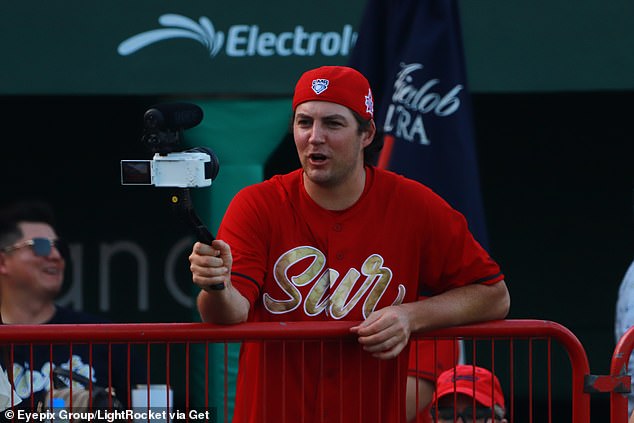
column 559, row 45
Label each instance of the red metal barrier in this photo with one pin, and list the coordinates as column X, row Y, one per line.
column 619, row 380
column 506, row 347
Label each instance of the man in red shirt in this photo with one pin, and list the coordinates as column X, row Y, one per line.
column 339, row 239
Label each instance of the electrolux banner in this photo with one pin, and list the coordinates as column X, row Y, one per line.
column 170, row 47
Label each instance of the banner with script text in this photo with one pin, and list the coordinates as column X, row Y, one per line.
column 411, row 52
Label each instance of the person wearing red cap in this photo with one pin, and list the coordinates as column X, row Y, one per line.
column 470, row 393
column 427, row 359
column 339, row 240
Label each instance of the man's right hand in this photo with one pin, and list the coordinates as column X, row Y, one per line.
column 211, row 265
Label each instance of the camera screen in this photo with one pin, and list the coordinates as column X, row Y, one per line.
column 136, row 172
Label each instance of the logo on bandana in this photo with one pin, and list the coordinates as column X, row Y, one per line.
column 320, row 85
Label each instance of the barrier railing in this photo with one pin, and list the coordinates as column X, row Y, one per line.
column 507, row 347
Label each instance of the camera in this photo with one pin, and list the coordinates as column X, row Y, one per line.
column 186, row 169
column 163, row 129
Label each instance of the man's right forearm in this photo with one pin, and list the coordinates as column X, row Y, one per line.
column 224, row 307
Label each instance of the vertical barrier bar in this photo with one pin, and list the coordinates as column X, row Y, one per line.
column 512, row 384
column 530, row 380
column 618, row 368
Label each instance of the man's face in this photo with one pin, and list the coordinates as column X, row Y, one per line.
column 24, row 271
column 329, row 146
column 461, row 410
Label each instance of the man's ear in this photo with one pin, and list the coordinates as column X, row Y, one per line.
column 3, row 261
column 369, row 134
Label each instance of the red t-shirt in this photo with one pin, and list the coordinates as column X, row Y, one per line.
column 295, row 261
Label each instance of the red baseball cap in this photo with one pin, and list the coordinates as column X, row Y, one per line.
column 337, row 84
column 473, row 381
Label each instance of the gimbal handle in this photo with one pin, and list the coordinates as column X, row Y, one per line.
column 184, row 208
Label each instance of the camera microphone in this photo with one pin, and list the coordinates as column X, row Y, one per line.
column 172, row 117
column 164, row 125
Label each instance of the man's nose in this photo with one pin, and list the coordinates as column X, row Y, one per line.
column 316, row 133
column 55, row 253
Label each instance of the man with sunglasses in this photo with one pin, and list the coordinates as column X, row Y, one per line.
column 468, row 394
column 32, row 264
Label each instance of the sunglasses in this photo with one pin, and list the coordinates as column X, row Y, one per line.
column 469, row 414
column 41, row 247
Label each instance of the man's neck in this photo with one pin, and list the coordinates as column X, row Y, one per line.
column 32, row 313
column 339, row 197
